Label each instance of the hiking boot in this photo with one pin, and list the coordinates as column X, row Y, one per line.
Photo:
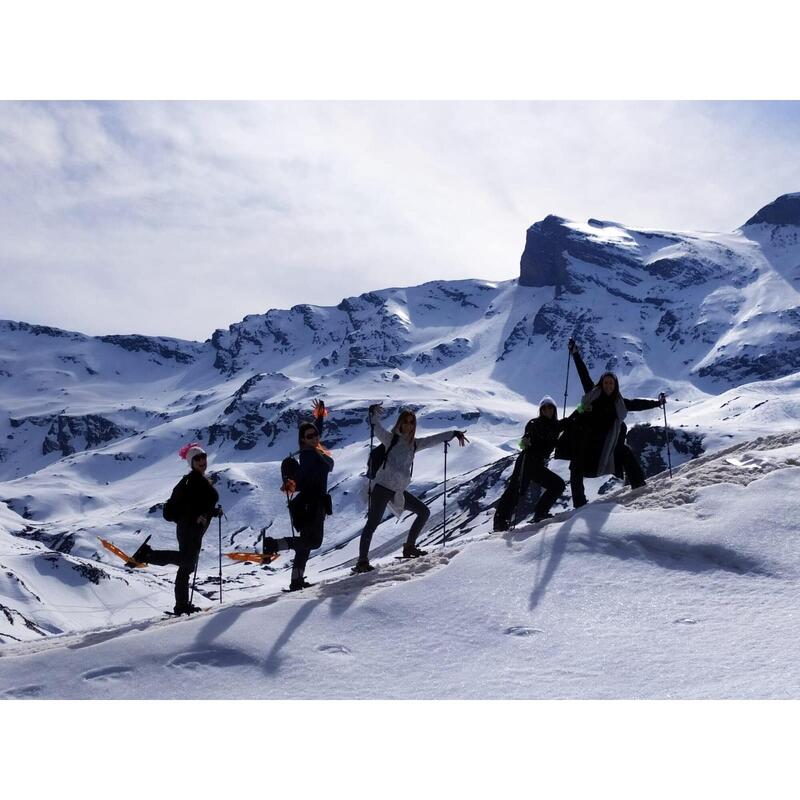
column 500, row 525
column 188, row 608
column 270, row 545
column 297, row 586
column 579, row 502
column 142, row 554
column 412, row 551
column 362, row 566
column 540, row 517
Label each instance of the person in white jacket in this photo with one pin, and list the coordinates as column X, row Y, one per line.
column 393, row 478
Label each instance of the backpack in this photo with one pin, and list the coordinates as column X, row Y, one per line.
column 290, row 469
column 174, row 507
column 379, row 455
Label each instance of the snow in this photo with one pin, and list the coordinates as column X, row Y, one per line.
column 684, row 589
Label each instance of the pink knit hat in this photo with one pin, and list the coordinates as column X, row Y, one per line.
column 189, row 451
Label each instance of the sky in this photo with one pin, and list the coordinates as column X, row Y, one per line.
column 177, row 218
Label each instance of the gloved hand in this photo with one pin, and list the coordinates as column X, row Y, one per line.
column 662, row 399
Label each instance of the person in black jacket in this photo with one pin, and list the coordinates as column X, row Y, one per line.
column 598, row 431
column 309, row 507
column 195, row 500
column 538, row 442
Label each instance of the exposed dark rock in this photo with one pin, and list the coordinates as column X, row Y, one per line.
column 444, row 353
column 547, row 244
column 42, row 330
column 783, row 211
column 160, row 346
column 649, row 445
column 686, row 271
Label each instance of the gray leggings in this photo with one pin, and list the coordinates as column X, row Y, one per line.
column 377, row 507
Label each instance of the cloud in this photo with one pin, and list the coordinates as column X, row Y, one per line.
column 177, row 218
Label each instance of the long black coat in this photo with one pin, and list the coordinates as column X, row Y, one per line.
column 589, row 430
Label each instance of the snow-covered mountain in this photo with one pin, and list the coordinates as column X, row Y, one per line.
column 90, row 426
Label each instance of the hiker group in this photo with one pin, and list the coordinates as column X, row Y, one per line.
column 592, row 438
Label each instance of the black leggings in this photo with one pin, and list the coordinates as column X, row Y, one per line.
column 190, row 540
column 310, row 538
column 379, row 500
column 528, row 470
column 623, row 456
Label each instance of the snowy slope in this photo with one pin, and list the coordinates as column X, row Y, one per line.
column 685, row 589
column 89, row 426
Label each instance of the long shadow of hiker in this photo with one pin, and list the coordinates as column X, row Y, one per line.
column 341, row 593
column 592, row 517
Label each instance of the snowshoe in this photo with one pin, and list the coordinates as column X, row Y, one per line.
column 362, row 566
column 298, row 586
column 129, row 560
column 187, row 609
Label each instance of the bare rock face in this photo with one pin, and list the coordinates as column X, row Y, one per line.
column 783, row 211
column 549, row 242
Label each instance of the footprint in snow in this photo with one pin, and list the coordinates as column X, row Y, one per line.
column 106, row 673
column 211, row 658
column 336, row 649
column 522, row 630
column 22, row 692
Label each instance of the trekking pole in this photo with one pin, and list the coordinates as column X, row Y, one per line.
column 369, row 488
column 666, row 434
column 566, row 387
column 219, row 521
column 194, row 577
column 444, row 512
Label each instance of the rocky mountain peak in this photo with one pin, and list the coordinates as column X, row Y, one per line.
column 783, row 211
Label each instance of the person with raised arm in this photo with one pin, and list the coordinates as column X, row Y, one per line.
column 309, row 507
column 393, row 477
column 598, row 431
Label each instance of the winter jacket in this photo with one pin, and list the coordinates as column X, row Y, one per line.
column 599, row 429
column 542, row 433
column 315, row 466
column 194, row 496
column 395, row 474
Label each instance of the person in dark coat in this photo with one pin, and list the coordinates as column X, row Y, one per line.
column 538, row 442
column 598, row 431
column 195, row 500
column 312, row 502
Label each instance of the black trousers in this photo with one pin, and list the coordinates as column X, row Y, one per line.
column 190, row 540
column 529, row 470
column 309, row 538
column 377, row 507
column 623, row 456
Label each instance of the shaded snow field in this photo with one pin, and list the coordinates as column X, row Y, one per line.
column 684, row 589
